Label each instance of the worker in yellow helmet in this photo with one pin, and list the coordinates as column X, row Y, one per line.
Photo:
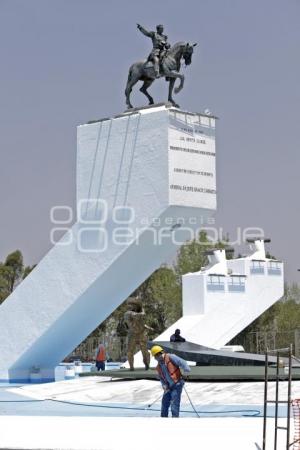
column 168, row 368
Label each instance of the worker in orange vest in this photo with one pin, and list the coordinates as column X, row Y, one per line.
column 100, row 357
column 168, row 368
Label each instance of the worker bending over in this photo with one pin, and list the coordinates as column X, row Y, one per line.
column 168, row 369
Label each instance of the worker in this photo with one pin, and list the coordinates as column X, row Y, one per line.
column 137, row 331
column 176, row 337
column 100, row 357
column 170, row 376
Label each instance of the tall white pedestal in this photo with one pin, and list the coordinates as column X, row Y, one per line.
column 145, row 184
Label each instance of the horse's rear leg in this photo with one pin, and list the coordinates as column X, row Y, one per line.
column 143, row 89
column 128, row 92
column 133, row 78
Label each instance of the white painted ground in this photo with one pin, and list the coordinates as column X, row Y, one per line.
column 140, row 433
column 98, row 389
column 105, row 433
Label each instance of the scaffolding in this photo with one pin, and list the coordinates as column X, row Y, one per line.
column 276, row 401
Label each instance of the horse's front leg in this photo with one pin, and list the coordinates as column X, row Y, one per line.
column 171, row 86
column 174, row 75
column 178, row 88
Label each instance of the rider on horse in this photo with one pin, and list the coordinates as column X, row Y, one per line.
column 160, row 46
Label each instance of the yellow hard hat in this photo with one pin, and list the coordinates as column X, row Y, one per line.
column 156, row 349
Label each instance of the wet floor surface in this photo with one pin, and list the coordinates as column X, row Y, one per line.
column 12, row 404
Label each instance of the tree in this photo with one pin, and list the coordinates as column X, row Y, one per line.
column 191, row 256
column 292, row 293
column 277, row 324
column 27, row 271
column 12, row 272
column 161, row 296
column 14, row 264
column 5, row 275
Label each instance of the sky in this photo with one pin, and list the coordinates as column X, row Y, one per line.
column 65, row 62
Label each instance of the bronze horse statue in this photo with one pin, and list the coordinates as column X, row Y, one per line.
column 169, row 68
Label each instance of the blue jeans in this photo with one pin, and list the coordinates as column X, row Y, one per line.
column 100, row 365
column 172, row 397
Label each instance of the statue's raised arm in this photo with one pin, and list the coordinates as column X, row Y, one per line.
column 159, row 46
column 144, row 31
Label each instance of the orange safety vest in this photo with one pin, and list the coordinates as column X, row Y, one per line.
column 101, row 354
column 173, row 370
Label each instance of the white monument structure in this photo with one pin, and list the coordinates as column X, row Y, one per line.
column 224, row 298
column 146, row 183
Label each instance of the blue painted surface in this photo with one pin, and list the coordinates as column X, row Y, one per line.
column 4, row 382
column 59, row 374
column 13, row 404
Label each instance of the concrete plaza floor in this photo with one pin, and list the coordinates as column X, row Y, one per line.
column 107, row 433
column 97, row 413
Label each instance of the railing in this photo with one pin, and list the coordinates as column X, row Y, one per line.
column 215, row 283
column 116, row 348
column 220, row 283
column 257, row 268
column 236, row 284
column 274, row 268
column 236, row 287
column 261, row 341
column 215, row 286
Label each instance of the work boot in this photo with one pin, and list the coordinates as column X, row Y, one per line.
column 146, row 366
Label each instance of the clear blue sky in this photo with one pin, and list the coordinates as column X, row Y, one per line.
column 64, row 62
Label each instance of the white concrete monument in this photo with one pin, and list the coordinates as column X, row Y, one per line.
column 222, row 299
column 146, row 183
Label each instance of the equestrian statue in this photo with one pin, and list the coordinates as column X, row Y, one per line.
column 163, row 61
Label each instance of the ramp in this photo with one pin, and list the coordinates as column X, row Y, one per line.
column 205, row 356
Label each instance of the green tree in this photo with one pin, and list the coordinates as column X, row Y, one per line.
column 12, row 272
column 14, row 264
column 5, row 274
column 191, row 256
column 279, row 321
column 27, row 271
column 292, row 293
column 161, row 296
